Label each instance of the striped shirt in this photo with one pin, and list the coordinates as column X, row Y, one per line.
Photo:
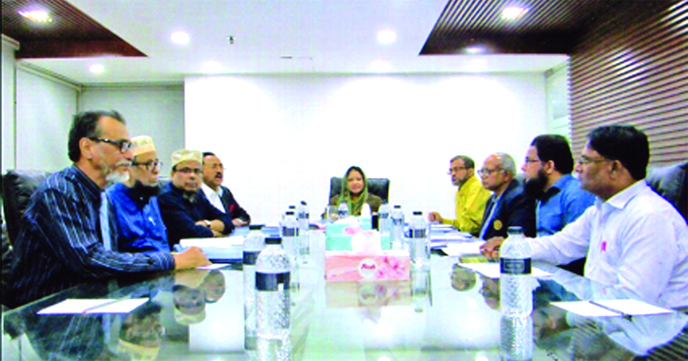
column 60, row 244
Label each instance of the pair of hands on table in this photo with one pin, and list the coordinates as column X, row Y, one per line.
column 491, row 248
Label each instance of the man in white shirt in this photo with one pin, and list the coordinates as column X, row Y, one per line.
column 634, row 239
column 218, row 195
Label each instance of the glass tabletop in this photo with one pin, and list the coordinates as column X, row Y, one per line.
column 445, row 313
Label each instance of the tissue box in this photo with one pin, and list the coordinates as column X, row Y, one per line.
column 349, row 266
column 368, row 294
column 337, row 240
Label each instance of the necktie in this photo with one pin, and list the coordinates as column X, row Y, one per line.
column 488, row 214
column 105, row 221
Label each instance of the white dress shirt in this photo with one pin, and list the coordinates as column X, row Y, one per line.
column 215, row 198
column 635, row 241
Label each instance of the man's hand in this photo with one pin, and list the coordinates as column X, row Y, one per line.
column 238, row 222
column 434, row 217
column 217, row 226
column 491, row 248
column 191, row 258
column 217, row 234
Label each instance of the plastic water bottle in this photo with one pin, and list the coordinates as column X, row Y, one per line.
column 303, row 218
column 343, row 210
column 290, row 236
column 397, row 227
column 384, row 219
column 418, row 241
column 253, row 244
column 273, row 267
column 516, row 296
column 516, row 338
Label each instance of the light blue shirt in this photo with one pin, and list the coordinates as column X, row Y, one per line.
column 562, row 204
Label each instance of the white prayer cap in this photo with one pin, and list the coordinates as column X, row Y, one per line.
column 182, row 155
column 142, row 144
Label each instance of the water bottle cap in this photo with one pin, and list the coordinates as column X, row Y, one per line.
column 417, row 213
column 290, row 213
column 397, row 206
column 273, row 240
column 515, row 230
column 303, row 203
column 255, row 227
column 292, row 207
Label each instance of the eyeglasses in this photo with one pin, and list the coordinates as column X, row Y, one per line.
column 215, row 166
column 149, row 165
column 455, row 169
column 123, row 144
column 531, row 160
column 585, row 160
column 187, row 171
column 488, row 172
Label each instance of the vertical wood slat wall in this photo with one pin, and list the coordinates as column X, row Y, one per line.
column 633, row 69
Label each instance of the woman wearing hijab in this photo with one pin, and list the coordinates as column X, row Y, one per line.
column 354, row 192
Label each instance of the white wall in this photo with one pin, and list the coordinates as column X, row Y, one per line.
column 282, row 137
column 7, row 132
column 157, row 111
column 45, row 108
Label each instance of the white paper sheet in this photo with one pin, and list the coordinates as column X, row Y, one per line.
column 82, row 306
column 463, row 248
column 585, row 308
column 613, row 308
column 213, row 266
column 491, row 269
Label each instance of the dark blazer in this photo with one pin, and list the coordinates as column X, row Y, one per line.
column 232, row 207
column 515, row 208
column 180, row 215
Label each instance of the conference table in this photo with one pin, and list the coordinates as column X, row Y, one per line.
column 445, row 312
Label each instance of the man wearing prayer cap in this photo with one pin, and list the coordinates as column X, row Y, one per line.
column 140, row 224
column 185, row 211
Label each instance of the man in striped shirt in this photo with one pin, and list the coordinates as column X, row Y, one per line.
column 66, row 237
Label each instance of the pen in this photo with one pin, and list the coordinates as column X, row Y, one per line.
column 622, row 314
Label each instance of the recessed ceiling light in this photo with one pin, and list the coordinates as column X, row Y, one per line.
column 180, row 37
column 475, row 50
column 513, row 12
column 211, row 67
column 96, row 68
column 477, row 66
column 386, row 36
column 380, row 66
column 37, row 16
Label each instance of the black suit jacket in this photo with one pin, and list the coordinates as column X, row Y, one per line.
column 515, row 208
column 232, row 207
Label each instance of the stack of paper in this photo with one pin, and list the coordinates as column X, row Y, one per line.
column 223, row 249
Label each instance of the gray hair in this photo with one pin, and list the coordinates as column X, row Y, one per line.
column 507, row 163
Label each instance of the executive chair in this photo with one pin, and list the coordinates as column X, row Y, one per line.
column 376, row 186
column 671, row 182
column 18, row 186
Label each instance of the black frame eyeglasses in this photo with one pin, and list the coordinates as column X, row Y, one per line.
column 149, row 165
column 123, row 144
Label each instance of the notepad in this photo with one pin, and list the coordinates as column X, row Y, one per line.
column 611, row 308
column 89, row 306
column 492, row 270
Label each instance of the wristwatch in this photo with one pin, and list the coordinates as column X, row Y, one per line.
column 207, row 223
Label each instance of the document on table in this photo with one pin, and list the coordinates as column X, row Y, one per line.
column 491, row 269
column 463, row 248
column 610, row 308
column 213, row 266
column 83, row 306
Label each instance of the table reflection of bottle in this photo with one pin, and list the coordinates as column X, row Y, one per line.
column 273, row 349
column 420, row 286
column 516, row 338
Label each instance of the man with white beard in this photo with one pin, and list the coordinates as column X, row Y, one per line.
column 68, row 234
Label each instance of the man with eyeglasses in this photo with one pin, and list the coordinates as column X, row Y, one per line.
column 634, row 239
column 218, row 195
column 139, row 222
column 68, row 234
column 187, row 213
column 470, row 198
column 508, row 206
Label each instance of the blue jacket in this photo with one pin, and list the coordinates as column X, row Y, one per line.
column 140, row 226
column 180, row 215
column 513, row 208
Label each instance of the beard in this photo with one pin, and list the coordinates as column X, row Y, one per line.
column 116, row 177
column 535, row 187
column 142, row 193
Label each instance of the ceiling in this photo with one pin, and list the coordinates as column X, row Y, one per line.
column 131, row 38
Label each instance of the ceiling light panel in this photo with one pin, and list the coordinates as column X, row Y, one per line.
column 36, row 16
column 180, row 37
column 386, row 36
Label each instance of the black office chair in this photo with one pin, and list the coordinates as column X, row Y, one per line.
column 18, row 186
column 671, row 182
column 376, row 186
